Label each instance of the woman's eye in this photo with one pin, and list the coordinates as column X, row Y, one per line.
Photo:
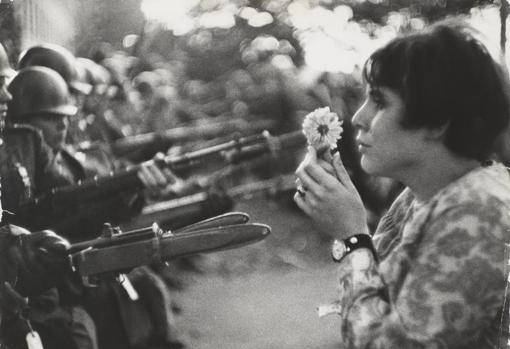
column 379, row 102
column 377, row 98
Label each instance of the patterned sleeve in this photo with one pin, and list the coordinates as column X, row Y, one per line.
column 452, row 289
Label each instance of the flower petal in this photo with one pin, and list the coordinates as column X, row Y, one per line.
column 322, row 127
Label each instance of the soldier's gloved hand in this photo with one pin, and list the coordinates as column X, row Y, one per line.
column 41, row 258
column 11, row 300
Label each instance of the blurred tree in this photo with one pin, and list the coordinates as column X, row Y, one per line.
column 377, row 10
column 111, row 20
column 10, row 32
column 106, row 21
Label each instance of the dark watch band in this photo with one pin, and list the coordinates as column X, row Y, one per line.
column 352, row 243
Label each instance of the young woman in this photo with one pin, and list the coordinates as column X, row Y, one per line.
column 432, row 275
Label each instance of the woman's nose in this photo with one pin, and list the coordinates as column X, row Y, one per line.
column 360, row 120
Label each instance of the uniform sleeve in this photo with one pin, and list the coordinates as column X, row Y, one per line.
column 453, row 289
column 48, row 174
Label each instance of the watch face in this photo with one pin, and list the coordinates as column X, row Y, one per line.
column 339, row 250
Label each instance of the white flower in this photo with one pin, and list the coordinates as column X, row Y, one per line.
column 322, row 128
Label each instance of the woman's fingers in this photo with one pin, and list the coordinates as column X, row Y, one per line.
column 318, row 175
column 327, row 166
column 307, row 183
column 299, row 199
column 341, row 172
column 306, row 202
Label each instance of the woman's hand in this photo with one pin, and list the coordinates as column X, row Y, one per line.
column 330, row 197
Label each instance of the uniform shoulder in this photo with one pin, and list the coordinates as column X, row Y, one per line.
column 22, row 136
column 21, row 128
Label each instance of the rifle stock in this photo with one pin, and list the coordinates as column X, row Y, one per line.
column 234, row 151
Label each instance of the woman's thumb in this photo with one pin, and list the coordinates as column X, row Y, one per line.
column 341, row 172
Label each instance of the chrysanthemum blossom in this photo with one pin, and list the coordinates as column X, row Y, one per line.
column 322, row 128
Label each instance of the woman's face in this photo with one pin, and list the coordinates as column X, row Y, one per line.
column 386, row 148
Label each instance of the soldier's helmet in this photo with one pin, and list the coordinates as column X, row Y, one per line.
column 57, row 58
column 38, row 91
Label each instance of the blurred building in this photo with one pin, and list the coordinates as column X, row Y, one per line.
column 46, row 21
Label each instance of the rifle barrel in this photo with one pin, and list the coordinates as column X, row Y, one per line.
column 174, row 209
column 128, row 145
column 236, row 150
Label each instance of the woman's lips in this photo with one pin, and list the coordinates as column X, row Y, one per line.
column 362, row 146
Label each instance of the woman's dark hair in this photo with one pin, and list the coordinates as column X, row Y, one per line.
column 447, row 78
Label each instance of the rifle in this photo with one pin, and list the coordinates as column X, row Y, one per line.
column 167, row 213
column 234, row 151
column 116, row 251
column 160, row 141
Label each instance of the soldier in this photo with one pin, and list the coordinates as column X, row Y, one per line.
column 29, row 263
column 80, row 80
column 42, row 94
column 41, row 99
column 95, row 123
column 59, row 59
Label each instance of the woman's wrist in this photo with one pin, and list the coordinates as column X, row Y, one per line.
column 361, row 259
column 342, row 248
column 347, row 233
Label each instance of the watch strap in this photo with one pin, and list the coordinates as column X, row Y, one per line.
column 352, row 243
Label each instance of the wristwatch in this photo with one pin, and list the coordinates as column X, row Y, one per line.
column 342, row 248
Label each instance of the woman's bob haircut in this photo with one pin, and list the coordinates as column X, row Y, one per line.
column 448, row 80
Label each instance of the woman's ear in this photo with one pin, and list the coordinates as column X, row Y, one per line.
column 436, row 133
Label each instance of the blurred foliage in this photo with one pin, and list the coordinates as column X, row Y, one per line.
column 106, row 21
column 211, row 52
column 9, row 31
column 377, row 11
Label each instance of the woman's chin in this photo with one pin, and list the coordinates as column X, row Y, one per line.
column 370, row 167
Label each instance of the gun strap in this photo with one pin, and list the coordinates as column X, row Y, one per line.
column 156, row 249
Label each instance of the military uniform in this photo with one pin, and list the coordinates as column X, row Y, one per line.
column 116, row 316
column 84, row 220
column 29, row 168
column 26, row 164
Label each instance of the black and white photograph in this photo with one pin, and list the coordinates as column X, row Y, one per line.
column 254, row 174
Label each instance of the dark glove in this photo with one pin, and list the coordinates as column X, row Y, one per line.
column 11, row 300
column 41, row 260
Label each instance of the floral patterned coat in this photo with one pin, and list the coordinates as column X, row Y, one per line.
column 440, row 279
